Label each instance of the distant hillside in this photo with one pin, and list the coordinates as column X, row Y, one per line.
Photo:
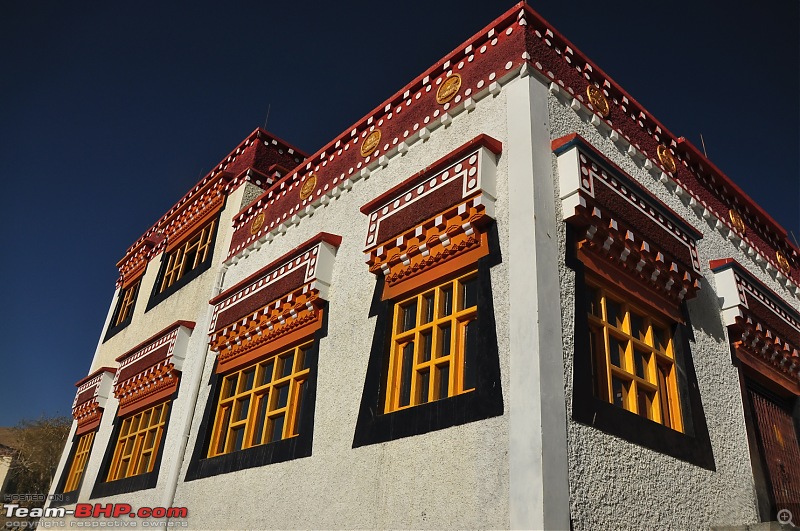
column 8, row 437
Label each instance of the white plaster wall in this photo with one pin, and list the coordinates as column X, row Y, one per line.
column 456, row 477
column 616, row 484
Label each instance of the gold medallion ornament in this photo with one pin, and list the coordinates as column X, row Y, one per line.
column 783, row 263
column 448, row 89
column 308, row 187
column 370, row 143
column 258, row 222
column 598, row 100
column 666, row 158
column 737, row 221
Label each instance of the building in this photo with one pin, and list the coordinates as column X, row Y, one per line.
column 250, row 352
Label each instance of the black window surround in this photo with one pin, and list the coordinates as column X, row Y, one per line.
column 694, row 444
column 66, row 498
column 485, row 401
column 115, row 329
column 289, row 449
column 149, row 480
column 157, row 297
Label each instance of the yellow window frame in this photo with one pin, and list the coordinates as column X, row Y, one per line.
column 79, row 460
column 427, row 354
column 188, row 256
column 634, row 357
column 259, row 404
column 138, row 442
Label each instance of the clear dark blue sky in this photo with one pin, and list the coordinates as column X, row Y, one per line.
column 111, row 111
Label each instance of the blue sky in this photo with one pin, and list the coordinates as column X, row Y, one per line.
column 111, row 111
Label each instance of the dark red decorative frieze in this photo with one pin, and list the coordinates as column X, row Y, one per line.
column 277, row 305
column 90, row 399
column 489, row 59
column 260, row 159
column 519, row 42
column 435, row 217
column 763, row 329
column 671, row 158
column 151, row 371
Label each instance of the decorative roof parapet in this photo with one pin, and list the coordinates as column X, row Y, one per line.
column 521, row 42
column 90, row 399
column 280, row 303
column 151, row 371
column 673, row 160
column 260, row 151
column 760, row 323
column 454, row 85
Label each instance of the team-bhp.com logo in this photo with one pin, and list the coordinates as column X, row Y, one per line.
column 86, row 515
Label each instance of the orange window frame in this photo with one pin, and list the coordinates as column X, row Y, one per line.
column 79, row 460
column 428, row 345
column 138, row 442
column 633, row 352
column 260, row 403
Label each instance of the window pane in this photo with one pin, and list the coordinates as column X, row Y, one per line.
column 595, row 351
column 447, row 300
column 429, row 308
column 276, row 428
column 247, row 381
column 191, row 254
column 149, row 439
column 409, row 316
column 620, row 391
column 287, row 365
column 266, row 373
column 617, row 351
column 230, row 385
column 145, row 419
column 646, row 404
column 282, row 396
column 242, row 405
column 261, row 413
column 469, row 295
column 470, row 354
column 637, row 327
column 642, row 362
column 144, row 464
column 444, row 340
column 223, row 433
column 298, row 407
column 301, row 359
column 407, row 360
column 426, row 339
column 659, row 338
column 663, row 375
column 614, row 314
column 443, row 377
column 238, row 438
column 424, row 385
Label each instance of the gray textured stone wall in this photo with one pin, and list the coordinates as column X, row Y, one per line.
column 617, row 484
